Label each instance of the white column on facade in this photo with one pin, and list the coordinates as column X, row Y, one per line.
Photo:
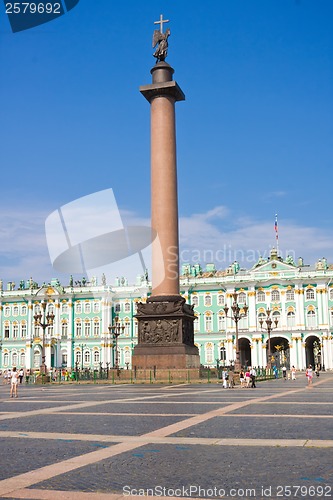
column 303, row 358
column 283, row 313
column 70, row 334
column 300, row 312
column 324, row 301
column 263, row 354
column 252, row 317
column 29, row 339
column 293, row 353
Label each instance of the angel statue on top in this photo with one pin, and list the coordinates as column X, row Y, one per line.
column 161, row 40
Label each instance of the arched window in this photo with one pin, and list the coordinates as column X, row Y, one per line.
column 261, row 316
column 87, row 328
column 290, row 295
column 50, row 309
column 196, row 324
column 23, row 330
column 64, row 308
column 87, row 307
column 5, row 358
column 15, row 330
column 275, row 295
column 64, row 330
column 221, row 320
column 208, row 300
column 78, row 307
column 195, row 300
column 241, row 298
column 127, row 307
column 311, row 319
column 331, row 294
column 78, row 329
column 127, row 330
column 6, row 331
column 209, row 353
column 50, row 331
column 220, row 299
column 276, row 316
column 290, row 319
column 243, row 323
column 127, row 357
column 7, row 311
column 117, row 307
column 23, row 310
column 96, row 328
column 15, row 311
column 261, row 296
column 22, row 359
column 37, row 359
column 208, row 323
column 14, row 359
column 37, row 309
column 136, row 327
column 78, row 357
column 96, row 357
column 87, row 357
column 96, row 307
column 310, row 295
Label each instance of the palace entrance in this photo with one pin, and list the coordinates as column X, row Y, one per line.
column 245, row 352
column 313, row 352
column 280, row 352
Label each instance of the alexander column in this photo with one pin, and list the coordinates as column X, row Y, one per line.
column 166, row 337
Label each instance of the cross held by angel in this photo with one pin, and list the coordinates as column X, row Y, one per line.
column 160, row 40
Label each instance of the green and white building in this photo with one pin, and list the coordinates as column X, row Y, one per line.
column 299, row 297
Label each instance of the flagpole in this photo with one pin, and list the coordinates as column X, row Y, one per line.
column 276, row 233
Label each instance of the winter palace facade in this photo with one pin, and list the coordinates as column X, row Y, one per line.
column 299, row 297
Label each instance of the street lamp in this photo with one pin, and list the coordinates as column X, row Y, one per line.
column 116, row 329
column 82, row 347
column 237, row 314
column 44, row 321
column 268, row 328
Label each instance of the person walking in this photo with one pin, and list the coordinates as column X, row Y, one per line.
column 21, row 375
column 284, row 373
column 309, row 375
column 13, row 383
column 293, row 373
column 231, row 379
column 253, row 375
column 225, row 378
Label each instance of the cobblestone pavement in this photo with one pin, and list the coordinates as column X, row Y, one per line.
column 199, row 441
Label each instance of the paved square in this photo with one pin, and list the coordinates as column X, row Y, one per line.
column 198, row 441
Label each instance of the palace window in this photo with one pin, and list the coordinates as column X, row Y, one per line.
column 290, row 295
column 96, row 329
column 290, row 319
column 310, row 295
column 15, row 330
column 275, row 296
column 208, row 300
column 78, row 329
column 64, row 330
column 78, row 307
column 331, row 294
column 37, row 309
column 208, row 323
column 14, row 359
column 261, row 316
column 221, row 321
column 51, row 309
column 87, row 329
column 23, row 310
column 209, row 353
column 7, row 311
column 311, row 319
column 220, row 299
column 96, row 357
column 261, row 296
column 64, row 308
column 96, row 307
column 127, row 307
column 196, row 324
column 127, row 357
column 15, row 311
column 86, row 357
column 23, row 330
column 6, row 359
column 243, row 323
column 195, row 300
column 50, row 331
column 127, row 329
column 22, row 359
column 78, row 357
column 117, row 307
column 87, row 307
column 242, row 298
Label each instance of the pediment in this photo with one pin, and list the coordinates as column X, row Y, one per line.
column 274, row 266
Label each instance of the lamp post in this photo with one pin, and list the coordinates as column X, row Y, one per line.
column 44, row 321
column 116, row 329
column 82, row 347
column 237, row 314
column 268, row 328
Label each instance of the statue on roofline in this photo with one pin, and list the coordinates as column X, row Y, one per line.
column 161, row 40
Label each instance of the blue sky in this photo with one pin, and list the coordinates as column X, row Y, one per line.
column 254, row 136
